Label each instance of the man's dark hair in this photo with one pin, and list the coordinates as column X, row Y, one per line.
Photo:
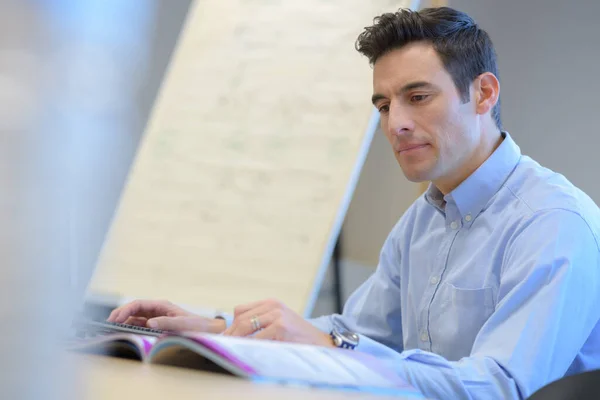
column 465, row 49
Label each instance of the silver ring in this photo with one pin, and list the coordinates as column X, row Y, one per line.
column 255, row 323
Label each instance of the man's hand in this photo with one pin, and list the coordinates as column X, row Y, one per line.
column 277, row 322
column 164, row 315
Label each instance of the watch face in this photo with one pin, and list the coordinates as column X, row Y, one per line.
column 348, row 336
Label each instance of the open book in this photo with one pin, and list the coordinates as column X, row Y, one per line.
column 259, row 360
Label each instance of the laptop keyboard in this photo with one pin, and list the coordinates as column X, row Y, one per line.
column 92, row 328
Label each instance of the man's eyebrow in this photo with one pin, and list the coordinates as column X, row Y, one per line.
column 376, row 97
column 415, row 85
column 406, row 88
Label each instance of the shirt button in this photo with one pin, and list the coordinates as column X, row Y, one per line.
column 468, row 217
column 433, row 280
column 424, row 336
column 454, row 225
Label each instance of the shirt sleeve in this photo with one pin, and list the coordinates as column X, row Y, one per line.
column 548, row 304
column 373, row 310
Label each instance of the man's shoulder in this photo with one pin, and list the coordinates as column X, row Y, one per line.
column 538, row 190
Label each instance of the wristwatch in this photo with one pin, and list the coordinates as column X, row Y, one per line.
column 344, row 339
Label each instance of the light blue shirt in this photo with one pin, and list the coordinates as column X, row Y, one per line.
column 489, row 292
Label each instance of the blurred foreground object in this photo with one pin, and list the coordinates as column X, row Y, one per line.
column 34, row 210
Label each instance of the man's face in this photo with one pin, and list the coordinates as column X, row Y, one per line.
column 433, row 134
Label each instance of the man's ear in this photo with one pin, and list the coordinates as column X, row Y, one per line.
column 487, row 92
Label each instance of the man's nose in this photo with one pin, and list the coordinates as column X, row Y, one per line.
column 399, row 121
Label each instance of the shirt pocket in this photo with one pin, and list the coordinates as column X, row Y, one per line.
column 462, row 314
column 481, row 299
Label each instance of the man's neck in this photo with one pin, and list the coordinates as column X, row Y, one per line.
column 488, row 145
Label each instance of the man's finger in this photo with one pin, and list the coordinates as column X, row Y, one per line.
column 269, row 333
column 179, row 324
column 139, row 308
column 245, row 326
column 137, row 321
column 242, row 309
column 113, row 314
column 260, row 309
column 120, row 314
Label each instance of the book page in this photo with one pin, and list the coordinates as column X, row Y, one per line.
column 288, row 362
column 245, row 172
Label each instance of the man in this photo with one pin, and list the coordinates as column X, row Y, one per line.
column 487, row 287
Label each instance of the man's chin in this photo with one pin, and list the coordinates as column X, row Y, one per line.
column 414, row 174
column 418, row 176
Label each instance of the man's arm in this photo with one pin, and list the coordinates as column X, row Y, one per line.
column 548, row 304
column 373, row 310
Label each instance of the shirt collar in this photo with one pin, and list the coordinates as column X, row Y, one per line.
column 476, row 191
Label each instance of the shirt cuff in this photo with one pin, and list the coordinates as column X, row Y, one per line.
column 365, row 344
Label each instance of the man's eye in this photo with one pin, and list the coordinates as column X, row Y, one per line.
column 418, row 98
column 384, row 109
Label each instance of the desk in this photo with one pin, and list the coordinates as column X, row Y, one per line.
column 112, row 378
